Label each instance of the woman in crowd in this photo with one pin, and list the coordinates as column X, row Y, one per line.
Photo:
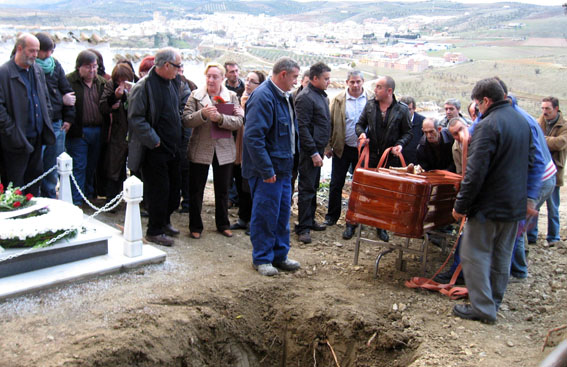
column 145, row 65
column 114, row 101
column 253, row 80
column 211, row 143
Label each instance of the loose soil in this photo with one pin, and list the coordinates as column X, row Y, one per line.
column 206, row 306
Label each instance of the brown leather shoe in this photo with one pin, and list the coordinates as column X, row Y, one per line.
column 195, row 235
column 161, row 239
column 226, row 233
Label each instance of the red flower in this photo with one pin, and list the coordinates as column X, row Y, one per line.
column 17, row 204
column 218, row 99
column 17, row 192
column 1, row 188
column 29, row 197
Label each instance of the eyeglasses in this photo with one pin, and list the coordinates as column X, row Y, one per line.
column 251, row 81
column 179, row 66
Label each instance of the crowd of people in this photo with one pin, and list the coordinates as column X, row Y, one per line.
column 259, row 134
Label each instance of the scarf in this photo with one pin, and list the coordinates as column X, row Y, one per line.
column 48, row 65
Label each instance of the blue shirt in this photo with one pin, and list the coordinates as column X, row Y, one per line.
column 35, row 117
column 353, row 109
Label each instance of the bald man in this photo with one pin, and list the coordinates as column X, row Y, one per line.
column 25, row 115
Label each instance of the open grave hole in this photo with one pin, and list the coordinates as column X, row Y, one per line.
column 264, row 325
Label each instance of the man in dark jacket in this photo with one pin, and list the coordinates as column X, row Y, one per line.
column 155, row 123
column 493, row 196
column 25, row 115
column 83, row 141
column 410, row 150
column 270, row 141
column 435, row 148
column 386, row 123
column 314, row 121
column 62, row 100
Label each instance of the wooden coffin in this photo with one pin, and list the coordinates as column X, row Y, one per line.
column 404, row 203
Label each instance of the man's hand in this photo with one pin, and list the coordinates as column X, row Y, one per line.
column 531, row 210
column 362, row 136
column 69, row 99
column 271, row 179
column 66, row 126
column 328, row 153
column 458, row 216
column 397, row 150
column 158, row 144
column 317, row 160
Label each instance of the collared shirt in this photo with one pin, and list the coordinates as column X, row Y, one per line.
column 287, row 96
column 91, row 113
column 353, row 108
column 35, row 116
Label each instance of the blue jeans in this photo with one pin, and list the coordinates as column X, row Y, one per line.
column 551, row 197
column 269, row 224
column 519, row 268
column 50, row 154
column 85, row 152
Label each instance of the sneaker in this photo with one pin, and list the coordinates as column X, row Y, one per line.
column 170, row 230
column 305, row 237
column 466, row 312
column 382, row 234
column 266, row 270
column 445, row 278
column 161, row 239
column 288, row 265
column 318, row 226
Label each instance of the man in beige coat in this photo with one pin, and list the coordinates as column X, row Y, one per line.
column 346, row 107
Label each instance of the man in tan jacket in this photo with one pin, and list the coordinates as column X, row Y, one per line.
column 553, row 125
column 346, row 107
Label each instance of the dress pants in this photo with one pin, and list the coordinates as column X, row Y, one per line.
column 486, row 253
column 309, row 176
column 162, row 183
column 221, row 181
column 269, row 224
column 338, row 174
column 22, row 168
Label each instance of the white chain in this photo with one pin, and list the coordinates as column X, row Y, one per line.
column 106, row 207
column 39, row 178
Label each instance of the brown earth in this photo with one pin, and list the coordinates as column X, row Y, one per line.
column 206, row 306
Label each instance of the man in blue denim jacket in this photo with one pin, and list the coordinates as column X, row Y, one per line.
column 270, row 141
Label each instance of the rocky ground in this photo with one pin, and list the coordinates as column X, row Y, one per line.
column 206, row 306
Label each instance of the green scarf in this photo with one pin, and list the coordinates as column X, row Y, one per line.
column 48, row 65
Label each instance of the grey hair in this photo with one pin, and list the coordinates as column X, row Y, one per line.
column 454, row 102
column 168, row 54
column 435, row 122
column 354, row 73
column 284, row 64
column 455, row 120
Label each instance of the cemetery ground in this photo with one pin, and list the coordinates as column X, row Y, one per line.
column 207, row 306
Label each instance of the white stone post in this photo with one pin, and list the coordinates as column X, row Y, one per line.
column 64, row 169
column 133, row 194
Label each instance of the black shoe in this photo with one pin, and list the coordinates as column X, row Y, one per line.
column 305, row 237
column 466, row 312
column 239, row 224
column 349, row 231
column 184, row 209
column 170, row 230
column 329, row 222
column 247, row 232
column 445, row 278
column 382, row 235
column 318, row 226
column 161, row 239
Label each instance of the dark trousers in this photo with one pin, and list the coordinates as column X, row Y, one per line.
column 338, row 174
column 221, row 180
column 161, row 188
column 22, row 168
column 245, row 200
column 308, row 185
column 185, row 168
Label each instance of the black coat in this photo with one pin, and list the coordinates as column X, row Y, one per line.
column 410, row 150
column 427, row 157
column 313, row 120
column 398, row 129
column 57, row 86
column 500, row 152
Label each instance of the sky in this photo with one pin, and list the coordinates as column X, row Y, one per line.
column 537, row 2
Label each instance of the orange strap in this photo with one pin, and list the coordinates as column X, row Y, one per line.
column 384, row 159
column 363, row 156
